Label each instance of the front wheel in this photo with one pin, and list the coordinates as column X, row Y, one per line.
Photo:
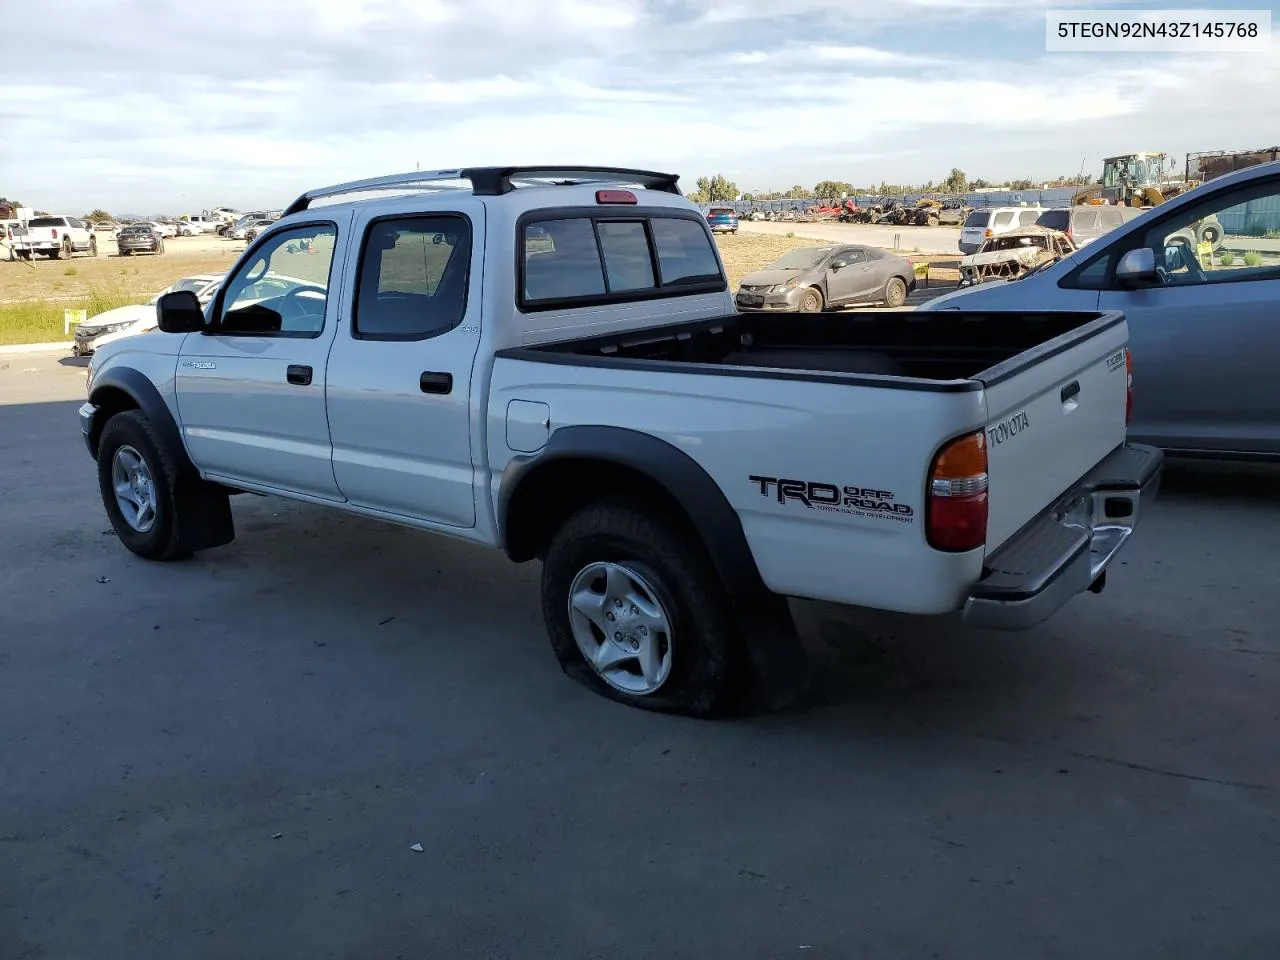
column 137, row 482
column 895, row 292
column 811, row 301
column 635, row 610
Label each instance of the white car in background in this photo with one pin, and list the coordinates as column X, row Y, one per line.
column 166, row 230
column 128, row 321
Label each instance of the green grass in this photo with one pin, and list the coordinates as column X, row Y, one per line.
column 40, row 322
column 1252, row 258
column 1227, row 258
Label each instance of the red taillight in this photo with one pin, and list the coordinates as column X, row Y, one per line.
column 54, row 233
column 957, row 501
column 1128, row 386
column 615, row 196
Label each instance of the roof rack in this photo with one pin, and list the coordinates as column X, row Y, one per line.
column 495, row 181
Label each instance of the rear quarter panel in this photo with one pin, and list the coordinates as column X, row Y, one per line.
column 749, row 432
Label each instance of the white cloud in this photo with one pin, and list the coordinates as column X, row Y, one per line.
column 266, row 100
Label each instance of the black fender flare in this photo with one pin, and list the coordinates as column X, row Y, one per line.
column 138, row 387
column 205, row 508
column 776, row 655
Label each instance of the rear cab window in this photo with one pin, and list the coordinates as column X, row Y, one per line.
column 47, row 222
column 589, row 257
column 978, row 218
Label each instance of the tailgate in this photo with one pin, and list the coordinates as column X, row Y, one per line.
column 1053, row 413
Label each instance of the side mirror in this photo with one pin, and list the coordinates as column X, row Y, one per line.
column 1175, row 256
column 180, row 312
column 1137, row 266
column 839, row 264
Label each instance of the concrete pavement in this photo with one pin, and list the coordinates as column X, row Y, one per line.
column 231, row 756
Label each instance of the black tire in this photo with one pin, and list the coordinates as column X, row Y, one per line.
column 707, row 667
column 811, row 301
column 65, row 251
column 895, row 292
column 126, row 253
column 162, row 540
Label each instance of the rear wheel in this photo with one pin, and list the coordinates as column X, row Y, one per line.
column 635, row 610
column 933, row 221
column 64, row 251
column 93, row 246
column 811, row 301
column 895, row 292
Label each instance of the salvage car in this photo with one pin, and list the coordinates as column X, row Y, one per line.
column 1013, row 255
column 127, row 321
column 1202, row 324
column 810, row 279
column 595, row 402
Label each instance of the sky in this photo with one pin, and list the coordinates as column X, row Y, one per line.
column 149, row 106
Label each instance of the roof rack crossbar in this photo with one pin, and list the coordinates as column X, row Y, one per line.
column 495, row 181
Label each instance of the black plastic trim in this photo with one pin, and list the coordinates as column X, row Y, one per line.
column 1027, row 358
column 606, row 213
column 533, row 355
column 495, row 181
column 144, row 393
column 677, row 472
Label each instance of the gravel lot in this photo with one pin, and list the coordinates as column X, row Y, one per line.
column 231, row 756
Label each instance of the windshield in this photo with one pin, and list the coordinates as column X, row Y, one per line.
column 801, row 259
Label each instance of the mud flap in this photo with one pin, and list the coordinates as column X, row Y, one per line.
column 779, row 666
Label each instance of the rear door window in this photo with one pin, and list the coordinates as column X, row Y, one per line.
column 978, row 218
column 1003, row 219
column 1027, row 217
column 1109, row 217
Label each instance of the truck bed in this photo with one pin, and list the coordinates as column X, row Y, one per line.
column 941, row 351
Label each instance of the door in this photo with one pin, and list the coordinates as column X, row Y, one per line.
column 846, row 275
column 251, row 390
column 1205, row 332
column 400, row 373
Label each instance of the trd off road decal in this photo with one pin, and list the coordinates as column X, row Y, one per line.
column 1115, row 361
column 858, row 501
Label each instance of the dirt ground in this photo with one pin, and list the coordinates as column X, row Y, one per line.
column 141, row 275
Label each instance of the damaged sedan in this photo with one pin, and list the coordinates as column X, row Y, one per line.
column 1013, row 255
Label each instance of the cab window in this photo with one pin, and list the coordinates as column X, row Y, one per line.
column 282, row 290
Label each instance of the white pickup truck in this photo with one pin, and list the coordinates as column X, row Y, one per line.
column 548, row 361
column 57, row 237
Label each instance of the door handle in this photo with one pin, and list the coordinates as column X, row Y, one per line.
column 431, row 382
column 1070, row 390
column 299, row 374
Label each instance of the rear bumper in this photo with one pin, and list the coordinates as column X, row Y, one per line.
column 1067, row 549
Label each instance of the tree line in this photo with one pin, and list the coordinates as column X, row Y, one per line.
column 719, row 189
